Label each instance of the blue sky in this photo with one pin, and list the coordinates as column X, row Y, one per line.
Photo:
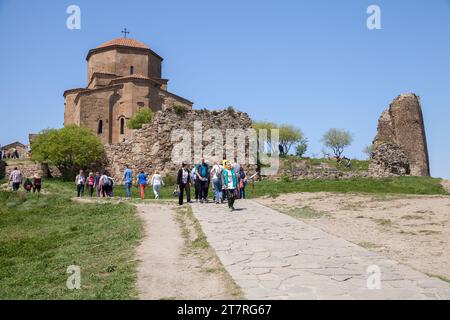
column 313, row 64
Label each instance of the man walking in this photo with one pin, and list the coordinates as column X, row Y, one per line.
column 128, row 180
column 16, row 179
column 203, row 177
column 183, row 181
column 80, row 181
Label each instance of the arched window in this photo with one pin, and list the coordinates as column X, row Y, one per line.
column 132, row 70
column 122, row 126
column 100, row 127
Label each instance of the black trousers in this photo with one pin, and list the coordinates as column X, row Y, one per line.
column 203, row 190
column 16, row 186
column 197, row 188
column 183, row 187
column 231, row 197
column 80, row 190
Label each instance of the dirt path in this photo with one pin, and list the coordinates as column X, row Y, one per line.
column 167, row 269
column 413, row 230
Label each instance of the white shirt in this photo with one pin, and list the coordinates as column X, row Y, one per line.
column 184, row 176
column 157, row 180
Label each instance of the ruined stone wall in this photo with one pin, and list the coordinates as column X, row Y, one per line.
column 402, row 125
column 28, row 170
column 151, row 147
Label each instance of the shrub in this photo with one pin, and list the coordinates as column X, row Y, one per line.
column 70, row 149
column 180, row 110
column 143, row 116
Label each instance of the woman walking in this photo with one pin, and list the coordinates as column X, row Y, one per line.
column 37, row 183
column 91, row 183
column 183, row 181
column 242, row 183
column 229, row 183
column 142, row 182
column 157, row 182
column 216, row 173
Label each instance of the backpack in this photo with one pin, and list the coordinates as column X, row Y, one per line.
column 106, row 181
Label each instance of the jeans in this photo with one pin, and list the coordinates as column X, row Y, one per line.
column 203, row 190
column 156, row 188
column 128, row 189
column 80, row 190
column 242, row 191
column 196, row 188
column 217, row 184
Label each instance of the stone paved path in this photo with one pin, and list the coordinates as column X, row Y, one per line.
column 273, row 256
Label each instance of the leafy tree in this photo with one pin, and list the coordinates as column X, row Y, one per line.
column 289, row 135
column 337, row 140
column 301, row 148
column 70, row 149
column 140, row 118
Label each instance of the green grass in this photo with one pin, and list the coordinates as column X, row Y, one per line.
column 397, row 185
column 40, row 236
column 357, row 165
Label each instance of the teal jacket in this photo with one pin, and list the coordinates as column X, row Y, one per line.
column 226, row 177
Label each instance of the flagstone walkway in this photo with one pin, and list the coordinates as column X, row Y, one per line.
column 273, row 256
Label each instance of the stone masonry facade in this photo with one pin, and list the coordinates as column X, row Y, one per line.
column 124, row 76
column 400, row 147
column 152, row 147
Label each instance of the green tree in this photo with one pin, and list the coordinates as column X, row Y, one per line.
column 301, row 147
column 289, row 136
column 337, row 140
column 70, row 149
column 140, row 118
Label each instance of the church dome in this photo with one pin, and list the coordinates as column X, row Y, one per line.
column 125, row 42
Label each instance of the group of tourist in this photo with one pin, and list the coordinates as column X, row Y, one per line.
column 228, row 182
column 12, row 153
column 102, row 185
column 30, row 184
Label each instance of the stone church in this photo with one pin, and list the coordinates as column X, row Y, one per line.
column 124, row 76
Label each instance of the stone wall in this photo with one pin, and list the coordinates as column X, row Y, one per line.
column 30, row 169
column 151, row 147
column 303, row 169
column 402, row 125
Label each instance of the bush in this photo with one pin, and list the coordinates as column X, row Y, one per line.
column 70, row 149
column 180, row 110
column 170, row 180
column 143, row 116
column 301, row 147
